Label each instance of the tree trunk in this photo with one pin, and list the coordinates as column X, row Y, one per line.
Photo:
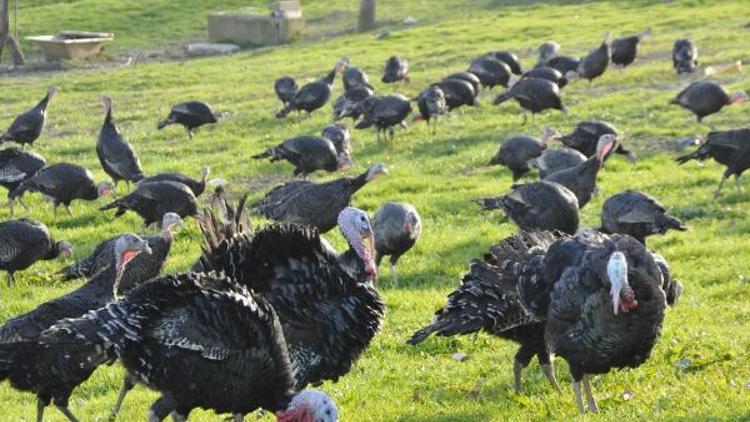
column 7, row 38
column 366, row 14
column 4, row 24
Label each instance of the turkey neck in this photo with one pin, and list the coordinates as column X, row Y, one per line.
column 42, row 106
column 359, row 181
column 54, row 251
column 352, row 264
column 328, row 80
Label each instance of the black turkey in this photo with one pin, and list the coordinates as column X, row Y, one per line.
column 384, row 112
column 637, row 214
column 396, row 70
column 311, row 204
column 458, row 92
column 308, row 154
column 586, row 136
column 487, row 301
column 24, row 242
column 285, row 88
column 596, row 62
column 565, row 64
column 339, row 134
column 604, row 306
column 553, row 160
column 703, row 98
column 468, row 77
column 21, row 352
column 116, row 155
column 538, row 206
column 508, row 58
column 197, row 186
column 152, row 200
column 143, row 267
column 547, row 52
column 349, row 104
column 548, row 73
column 431, row 104
column 62, row 184
column 684, row 56
column 27, row 127
column 191, row 115
column 184, row 330
column 730, row 148
column 491, row 72
column 624, row 50
column 355, row 77
column 534, row 95
column 397, row 227
column 17, row 165
column 314, row 95
column 581, row 179
column 518, row 152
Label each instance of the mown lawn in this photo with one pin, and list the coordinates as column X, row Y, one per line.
column 441, row 176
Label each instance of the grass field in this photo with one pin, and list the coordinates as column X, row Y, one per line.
column 707, row 333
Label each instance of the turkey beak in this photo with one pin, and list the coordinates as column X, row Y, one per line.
column 617, row 271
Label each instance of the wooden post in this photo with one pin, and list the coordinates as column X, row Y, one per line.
column 366, row 14
column 6, row 37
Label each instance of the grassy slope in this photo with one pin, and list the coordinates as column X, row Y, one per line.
column 441, row 176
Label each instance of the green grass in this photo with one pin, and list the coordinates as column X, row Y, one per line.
column 440, row 176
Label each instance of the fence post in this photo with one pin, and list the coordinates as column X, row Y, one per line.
column 366, row 14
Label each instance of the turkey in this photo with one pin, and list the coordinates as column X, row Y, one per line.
column 586, row 136
column 16, row 166
column 547, row 52
column 384, row 112
column 20, row 349
column 355, row 77
column 181, row 331
column 624, row 50
column 637, row 214
column 557, row 159
column 62, row 184
column 548, row 73
column 684, row 56
column 396, row 70
column 730, row 148
column 491, row 72
column 191, row 115
column 27, row 127
column 197, row 186
column 285, row 88
column 458, row 92
column 487, row 301
column 534, row 95
column 431, row 104
column 704, row 98
column 519, row 151
column 349, row 104
column 397, row 227
column 339, row 135
column 564, row 64
column 152, row 200
column 604, row 309
column 581, row 179
column 538, row 206
column 116, row 155
column 312, row 204
column 313, row 95
column 24, row 242
column 308, row 154
column 143, row 267
column 468, row 77
column 508, row 58
column 596, row 62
